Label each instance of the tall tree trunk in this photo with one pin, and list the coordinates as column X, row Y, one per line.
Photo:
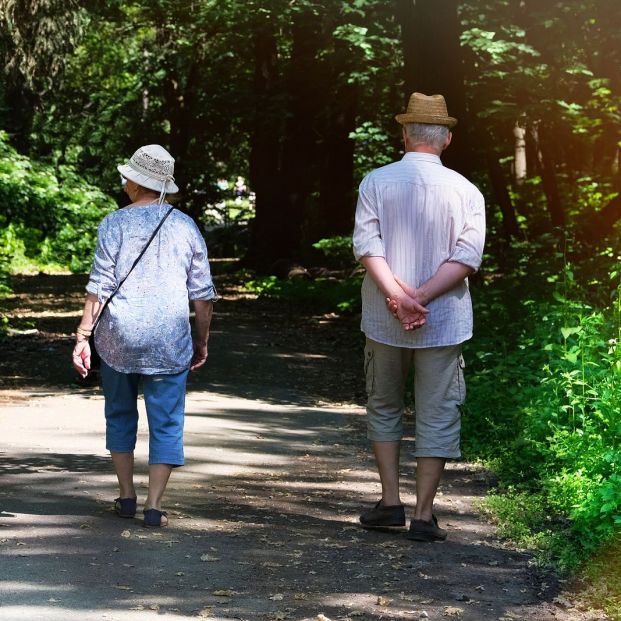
column 265, row 148
column 548, row 176
column 433, row 64
column 336, row 200
column 510, row 225
column 299, row 170
column 519, row 162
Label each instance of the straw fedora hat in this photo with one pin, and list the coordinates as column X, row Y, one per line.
column 429, row 109
column 151, row 167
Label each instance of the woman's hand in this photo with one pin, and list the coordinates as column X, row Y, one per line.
column 81, row 357
column 200, row 355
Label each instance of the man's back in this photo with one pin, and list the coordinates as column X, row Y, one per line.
column 418, row 214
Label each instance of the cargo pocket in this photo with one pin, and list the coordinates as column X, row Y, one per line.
column 461, row 382
column 369, row 370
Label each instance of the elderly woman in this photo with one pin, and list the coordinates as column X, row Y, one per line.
column 143, row 335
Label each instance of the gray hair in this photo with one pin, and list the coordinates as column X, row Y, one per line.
column 424, row 133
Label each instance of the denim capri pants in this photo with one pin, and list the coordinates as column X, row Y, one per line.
column 164, row 397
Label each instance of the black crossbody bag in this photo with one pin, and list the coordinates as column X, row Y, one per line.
column 95, row 357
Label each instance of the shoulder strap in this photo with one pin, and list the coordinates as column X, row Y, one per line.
column 157, row 228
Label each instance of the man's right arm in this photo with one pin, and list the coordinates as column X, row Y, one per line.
column 369, row 250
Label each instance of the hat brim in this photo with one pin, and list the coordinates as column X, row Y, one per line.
column 146, row 182
column 405, row 118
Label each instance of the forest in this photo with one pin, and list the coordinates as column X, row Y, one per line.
column 298, row 98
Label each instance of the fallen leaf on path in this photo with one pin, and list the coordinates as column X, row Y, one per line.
column 205, row 612
column 126, row 534
column 452, row 611
column 180, row 573
column 322, row 617
column 562, row 601
column 355, row 613
column 382, row 601
column 224, row 593
column 208, row 558
column 122, row 587
column 278, row 615
column 277, row 597
column 300, row 596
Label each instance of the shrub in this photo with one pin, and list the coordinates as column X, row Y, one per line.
column 47, row 216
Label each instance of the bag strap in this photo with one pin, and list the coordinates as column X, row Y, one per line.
column 157, row 228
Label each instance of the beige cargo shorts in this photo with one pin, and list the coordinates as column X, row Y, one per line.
column 439, row 393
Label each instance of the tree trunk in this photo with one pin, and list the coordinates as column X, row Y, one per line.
column 510, row 225
column 336, row 201
column 520, row 170
column 433, row 64
column 546, row 165
column 264, row 148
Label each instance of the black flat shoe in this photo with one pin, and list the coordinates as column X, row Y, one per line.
column 383, row 516
column 421, row 530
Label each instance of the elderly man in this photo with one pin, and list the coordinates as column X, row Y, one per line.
column 419, row 232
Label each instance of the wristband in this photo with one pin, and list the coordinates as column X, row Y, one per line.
column 83, row 331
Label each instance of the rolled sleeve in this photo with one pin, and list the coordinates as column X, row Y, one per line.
column 102, row 281
column 471, row 240
column 200, row 284
column 367, row 239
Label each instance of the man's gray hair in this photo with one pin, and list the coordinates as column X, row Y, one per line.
column 431, row 135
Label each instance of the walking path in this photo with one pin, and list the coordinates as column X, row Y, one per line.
column 263, row 516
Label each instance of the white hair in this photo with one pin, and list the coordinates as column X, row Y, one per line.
column 434, row 136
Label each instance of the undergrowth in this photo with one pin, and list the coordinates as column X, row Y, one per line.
column 544, row 413
column 48, row 216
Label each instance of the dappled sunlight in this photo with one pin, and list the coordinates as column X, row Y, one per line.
column 33, row 587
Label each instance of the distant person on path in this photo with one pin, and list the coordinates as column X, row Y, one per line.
column 419, row 232
column 144, row 335
column 240, row 188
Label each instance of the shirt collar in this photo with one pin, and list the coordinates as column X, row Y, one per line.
column 422, row 157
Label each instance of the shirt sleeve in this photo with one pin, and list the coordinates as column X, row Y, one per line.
column 200, row 283
column 367, row 239
column 469, row 246
column 102, row 280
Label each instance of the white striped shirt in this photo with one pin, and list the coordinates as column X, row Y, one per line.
column 417, row 214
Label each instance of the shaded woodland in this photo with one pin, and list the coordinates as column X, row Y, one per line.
column 299, row 99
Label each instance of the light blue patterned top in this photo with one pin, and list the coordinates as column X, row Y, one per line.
column 146, row 327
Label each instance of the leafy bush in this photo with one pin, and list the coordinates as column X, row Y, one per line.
column 337, row 250
column 47, row 217
column 544, row 411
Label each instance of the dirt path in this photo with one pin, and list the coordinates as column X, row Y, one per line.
column 263, row 517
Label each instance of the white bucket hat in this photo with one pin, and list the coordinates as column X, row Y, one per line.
column 151, row 167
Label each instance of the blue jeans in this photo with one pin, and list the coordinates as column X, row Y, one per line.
column 164, row 397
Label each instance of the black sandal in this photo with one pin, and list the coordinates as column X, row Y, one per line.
column 153, row 518
column 125, row 507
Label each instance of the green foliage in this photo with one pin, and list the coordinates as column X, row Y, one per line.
column 544, row 411
column 48, row 218
column 337, row 250
column 322, row 295
column 374, row 148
